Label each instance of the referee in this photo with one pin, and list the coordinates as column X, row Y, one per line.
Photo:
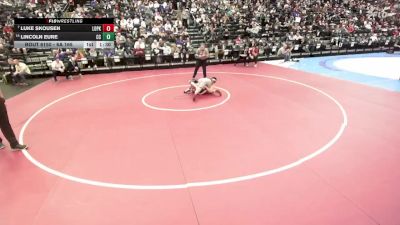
column 7, row 129
column 201, row 60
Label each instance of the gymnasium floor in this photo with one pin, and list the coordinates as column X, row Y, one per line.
column 377, row 69
column 281, row 146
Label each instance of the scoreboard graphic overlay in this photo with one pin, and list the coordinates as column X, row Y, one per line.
column 64, row 33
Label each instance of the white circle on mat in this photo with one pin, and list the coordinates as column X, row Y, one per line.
column 228, row 96
column 282, row 168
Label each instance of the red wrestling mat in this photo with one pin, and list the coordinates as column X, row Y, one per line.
column 279, row 147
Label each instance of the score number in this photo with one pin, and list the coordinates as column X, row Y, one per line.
column 108, row 32
column 106, row 36
column 108, row 27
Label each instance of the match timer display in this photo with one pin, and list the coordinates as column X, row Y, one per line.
column 64, row 33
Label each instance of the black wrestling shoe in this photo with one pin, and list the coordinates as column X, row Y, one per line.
column 18, row 147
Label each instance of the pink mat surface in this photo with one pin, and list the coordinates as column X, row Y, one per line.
column 107, row 134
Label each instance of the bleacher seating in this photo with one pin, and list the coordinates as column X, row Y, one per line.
column 333, row 37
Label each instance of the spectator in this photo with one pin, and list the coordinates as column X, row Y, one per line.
column 139, row 51
column 253, row 53
column 397, row 44
column 222, row 19
column 184, row 51
column 167, row 51
column 243, row 56
column 92, row 58
column 185, row 17
column 238, row 40
column 21, row 71
column 72, row 67
column 137, row 23
column 155, row 47
column 285, row 51
column 120, row 39
column 108, row 56
column 119, row 50
column 57, row 66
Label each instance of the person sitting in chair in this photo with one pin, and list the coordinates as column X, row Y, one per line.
column 243, row 56
column 72, row 67
column 253, row 53
column 21, row 70
column 397, row 44
column 286, row 52
column 58, row 68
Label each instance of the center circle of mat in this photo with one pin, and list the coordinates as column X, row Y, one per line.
column 181, row 87
column 282, row 168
